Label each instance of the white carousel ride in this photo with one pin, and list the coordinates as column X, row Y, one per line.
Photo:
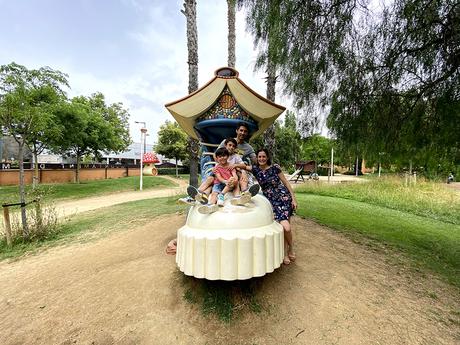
column 236, row 242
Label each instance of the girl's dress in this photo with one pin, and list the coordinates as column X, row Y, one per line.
column 275, row 191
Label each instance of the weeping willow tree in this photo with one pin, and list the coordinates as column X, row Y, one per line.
column 386, row 78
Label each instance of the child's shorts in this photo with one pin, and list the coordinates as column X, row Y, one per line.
column 218, row 188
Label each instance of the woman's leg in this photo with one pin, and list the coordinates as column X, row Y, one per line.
column 288, row 242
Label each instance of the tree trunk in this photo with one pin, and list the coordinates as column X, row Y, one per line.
column 36, row 178
column 192, row 46
column 269, row 135
column 177, row 169
column 22, row 193
column 77, row 174
column 231, row 33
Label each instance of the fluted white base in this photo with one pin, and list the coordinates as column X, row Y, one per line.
column 234, row 243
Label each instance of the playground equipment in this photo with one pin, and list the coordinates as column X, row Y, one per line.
column 307, row 168
column 149, row 159
column 236, row 242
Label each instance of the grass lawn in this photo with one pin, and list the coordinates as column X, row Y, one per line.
column 427, row 199
column 430, row 243
column 97, row 222
column 10, row 194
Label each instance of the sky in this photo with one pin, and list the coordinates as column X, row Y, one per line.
column 133, row 51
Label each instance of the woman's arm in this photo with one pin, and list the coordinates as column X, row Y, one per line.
column 289, row 187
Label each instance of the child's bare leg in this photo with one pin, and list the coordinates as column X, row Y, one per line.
column 213, row 198
column 243, row 181
column 206, row 184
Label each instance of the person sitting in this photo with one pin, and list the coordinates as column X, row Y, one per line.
column 226, row 180
column 201, row 193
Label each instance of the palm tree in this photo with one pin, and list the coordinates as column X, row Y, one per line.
column 269, row 135
column 192, row 46
column 231, row 32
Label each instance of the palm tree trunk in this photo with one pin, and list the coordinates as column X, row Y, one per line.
column 231, row 33
column 192, row 46
column 269, row 135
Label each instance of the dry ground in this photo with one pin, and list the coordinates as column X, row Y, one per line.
column 123, row 289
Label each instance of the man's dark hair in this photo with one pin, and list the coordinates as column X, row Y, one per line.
column 222, row 151
column 244, row 124
column 233, row 140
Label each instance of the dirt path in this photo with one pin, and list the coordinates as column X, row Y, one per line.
column 71, row 207
column 124, row 290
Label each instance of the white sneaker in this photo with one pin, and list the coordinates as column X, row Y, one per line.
column 220, row 200
column 187, row 201
column 241, row 200
column 207, row 209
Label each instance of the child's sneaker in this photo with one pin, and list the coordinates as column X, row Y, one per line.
column 194, row 193
column 207, row 209
column 254, row 189
column 201, row 198
column 241, row 200
column 187, row 201
column 220, row 200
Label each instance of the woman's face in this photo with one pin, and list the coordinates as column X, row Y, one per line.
column 262, row 158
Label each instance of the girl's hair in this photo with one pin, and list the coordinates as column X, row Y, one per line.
column 269, row 160
column 231, row 140
column 221, row 151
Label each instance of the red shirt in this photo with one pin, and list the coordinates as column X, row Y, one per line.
column 225, row 173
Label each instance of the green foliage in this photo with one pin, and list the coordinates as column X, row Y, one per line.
column 27, row 98
column 430, row 244
column 317, row 148
column 88, row 126
column 172, row 141
column 390, row 76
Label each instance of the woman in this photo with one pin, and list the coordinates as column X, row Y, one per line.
column 278, row 191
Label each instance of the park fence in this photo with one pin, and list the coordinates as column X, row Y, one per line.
column 51, row 174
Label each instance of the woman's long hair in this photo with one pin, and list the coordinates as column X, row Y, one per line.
column 269, row 159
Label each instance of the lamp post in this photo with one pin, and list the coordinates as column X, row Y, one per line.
column 143, row 132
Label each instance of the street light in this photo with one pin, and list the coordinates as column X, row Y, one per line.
column 143, row 132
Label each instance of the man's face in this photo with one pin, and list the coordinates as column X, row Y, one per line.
column 241, row 133
column 230, row 147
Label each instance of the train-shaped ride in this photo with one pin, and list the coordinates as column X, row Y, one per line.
column 236, row 242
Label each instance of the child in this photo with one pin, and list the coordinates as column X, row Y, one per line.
column 225, row 181
column 236, row 162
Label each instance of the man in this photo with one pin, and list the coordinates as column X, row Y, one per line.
column 244, row 149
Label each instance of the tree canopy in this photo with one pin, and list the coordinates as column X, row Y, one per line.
column 387, row 78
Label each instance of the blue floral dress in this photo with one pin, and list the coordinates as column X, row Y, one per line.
column 275, row 191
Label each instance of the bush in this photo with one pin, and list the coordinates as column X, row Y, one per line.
column 172, row 171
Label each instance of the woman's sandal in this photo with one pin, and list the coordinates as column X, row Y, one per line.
column 292, row 256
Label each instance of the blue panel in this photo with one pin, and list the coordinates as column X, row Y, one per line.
column 215, row 130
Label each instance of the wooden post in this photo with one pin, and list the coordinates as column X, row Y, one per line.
column 6, row 219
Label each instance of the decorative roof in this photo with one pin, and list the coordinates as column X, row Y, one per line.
column 188, row 109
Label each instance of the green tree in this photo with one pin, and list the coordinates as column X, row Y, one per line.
column 89, row 126
column 390, row 77
column 288, row 141
column 172, row 142
column 25, row 100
